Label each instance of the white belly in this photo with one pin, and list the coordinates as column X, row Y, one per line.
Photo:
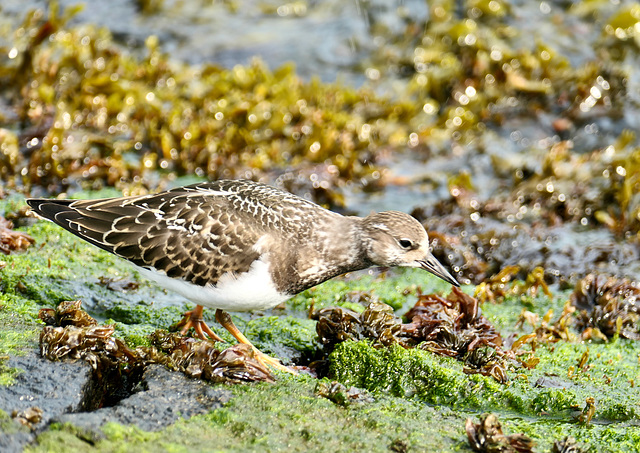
column 252, row 290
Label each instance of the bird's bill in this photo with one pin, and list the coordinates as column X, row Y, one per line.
column 431, row 264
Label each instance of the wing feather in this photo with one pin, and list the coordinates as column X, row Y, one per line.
column 197, row 236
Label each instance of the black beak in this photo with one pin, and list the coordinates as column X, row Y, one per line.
column 431, row 264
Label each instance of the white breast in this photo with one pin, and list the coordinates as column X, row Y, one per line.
column 252, row 290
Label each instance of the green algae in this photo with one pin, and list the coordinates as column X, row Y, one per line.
column 611, row 372
column 287, row 415
column 434, row 380
column 283, row 332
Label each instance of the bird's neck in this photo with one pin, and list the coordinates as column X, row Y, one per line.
column 333, row 249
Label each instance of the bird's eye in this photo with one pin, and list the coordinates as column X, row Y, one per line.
column 405, row 243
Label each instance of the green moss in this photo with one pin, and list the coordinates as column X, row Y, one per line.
column 60, row 439
column 441, row 380
column 18, row 327
column 272, row 333
column 288, row 416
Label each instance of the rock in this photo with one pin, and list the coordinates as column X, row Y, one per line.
column 60, row 390
column 163, row 398
column 53, row 387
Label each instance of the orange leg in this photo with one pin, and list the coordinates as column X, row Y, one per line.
column 225, row 321
column 194, row 319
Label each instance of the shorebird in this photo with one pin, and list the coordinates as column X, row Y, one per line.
column 240, row 245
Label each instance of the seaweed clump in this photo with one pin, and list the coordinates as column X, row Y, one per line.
column 72, row 333
column 10, row 240
column 452, row 327
column 608, row 304
column 201, row 359
column 487, row 436
column 377, row 322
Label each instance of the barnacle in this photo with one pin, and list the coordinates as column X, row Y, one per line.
column 339, row 393
column 567, row 445
column 28, row 417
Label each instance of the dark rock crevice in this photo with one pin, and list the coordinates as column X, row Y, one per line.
column 71, row 392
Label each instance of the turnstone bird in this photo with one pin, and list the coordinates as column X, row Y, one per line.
column 240, row 245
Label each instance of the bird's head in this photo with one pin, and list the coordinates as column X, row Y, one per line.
column 394, row 238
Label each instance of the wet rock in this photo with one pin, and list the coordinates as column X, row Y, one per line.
column 54, row 388
column 13, row 436
column 60, row 390
column 478, row 243
column 162, row 398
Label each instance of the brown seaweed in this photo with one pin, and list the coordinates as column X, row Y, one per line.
column 608, row 304
column 452, row 326
column 11, row 240
column 73, row 334
column 455, row 327
column 487, row 436
column 201, row 359
column 377, row 322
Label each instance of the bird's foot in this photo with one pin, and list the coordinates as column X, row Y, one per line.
column 225, row 320
column 272, row 362
column 194, row 319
